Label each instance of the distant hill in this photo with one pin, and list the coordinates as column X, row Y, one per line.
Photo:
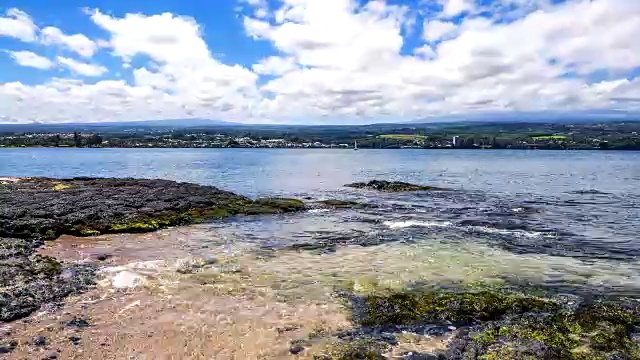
column 113, row 126
column 535, row 117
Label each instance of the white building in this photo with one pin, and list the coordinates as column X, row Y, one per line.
column 456, row 141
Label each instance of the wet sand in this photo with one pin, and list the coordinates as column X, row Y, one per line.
column 155, row 300
column 187, row 293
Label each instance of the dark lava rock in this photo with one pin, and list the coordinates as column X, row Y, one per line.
column 52, row 356
column 296, row 349
column 6, row 349
column 39, row 341
column 46, row 208
column 103, row 256
column 37, row 209
column 27, row 292
column 274, row 205
column 393, row 186
column 74, row 340
column 339, row 204
column 77, row 322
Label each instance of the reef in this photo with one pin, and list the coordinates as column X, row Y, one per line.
column 489, row 324
column 393, row 186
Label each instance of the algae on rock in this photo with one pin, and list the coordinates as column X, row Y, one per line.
column 393, row 186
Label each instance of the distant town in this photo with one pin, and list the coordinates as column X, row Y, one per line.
column 593, row 136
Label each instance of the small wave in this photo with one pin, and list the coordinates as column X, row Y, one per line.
column 413, row 223
column 589, row 192
column 317, row 211
column 519, row 233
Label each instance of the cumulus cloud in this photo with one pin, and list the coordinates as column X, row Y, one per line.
column 77, row 43
column 30, row 59
column 346, row 60
column 82, row 68
column 18, row 24
column 436, row 29
column 274, row 65
column 454, row 7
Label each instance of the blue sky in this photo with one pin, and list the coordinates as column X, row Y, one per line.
column 311, row 61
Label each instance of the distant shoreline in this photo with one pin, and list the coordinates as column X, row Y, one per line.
column 315, row 148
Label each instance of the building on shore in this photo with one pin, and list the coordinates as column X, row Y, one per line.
column 455, row 141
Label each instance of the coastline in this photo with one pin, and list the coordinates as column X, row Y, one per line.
column 185, row 291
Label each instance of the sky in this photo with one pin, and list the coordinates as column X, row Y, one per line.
column 315, row 61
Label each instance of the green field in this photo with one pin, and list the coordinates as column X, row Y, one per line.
column 405, row 137
column 549, row 137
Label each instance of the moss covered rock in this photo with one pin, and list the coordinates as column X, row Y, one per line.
column 460, row 308
column 37, row 209
column 362, row 349
column 598, row 331
column 504, row 325
column 393, row 186
column 339, row 204
column 41, row 208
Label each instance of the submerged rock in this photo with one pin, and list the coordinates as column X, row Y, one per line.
column 78, row 323
column 340, row 204
column 433, row 307
column 393, row 186
column 39, row 341
column 25, row 294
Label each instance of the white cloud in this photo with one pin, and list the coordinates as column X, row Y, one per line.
column 435, row 30
column 455, row 7
column 81, row 68
column 77, row 43
column 274, row 65
column 19, row 25
column 30, row 59
column 341, row 60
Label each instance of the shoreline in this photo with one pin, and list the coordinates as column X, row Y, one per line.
column 322, row 148
column 204, row 296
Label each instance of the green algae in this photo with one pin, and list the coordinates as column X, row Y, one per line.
column 339, row 204
column 394, row 186
column 274, row 206
column 504, row 324
column 150, row 223
column 595, row 331
column 412, row 308
column 45, row 266
column 363, row 349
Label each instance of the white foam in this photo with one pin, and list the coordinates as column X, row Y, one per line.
column 138, row 265
column 131, row 275
column 413, row 223
column 126, row 280
column 317, row 211
column 521, row 233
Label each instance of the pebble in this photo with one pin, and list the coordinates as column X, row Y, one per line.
column 39, row 341
column 296, row 349
column 79, row 323
column 74, row 340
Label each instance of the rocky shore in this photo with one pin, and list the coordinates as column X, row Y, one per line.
column 409, row 319
column 38, row 209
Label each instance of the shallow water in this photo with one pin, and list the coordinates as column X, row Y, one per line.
column 560, row 221
column 571, row 211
